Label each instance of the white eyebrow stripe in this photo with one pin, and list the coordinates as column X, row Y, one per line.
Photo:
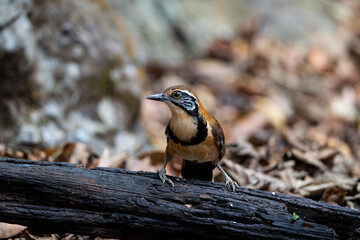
column 186, row 91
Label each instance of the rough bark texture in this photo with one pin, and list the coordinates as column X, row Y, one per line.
column 60, row 197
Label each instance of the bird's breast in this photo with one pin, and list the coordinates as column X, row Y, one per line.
column 183, row 127
column 202, row 152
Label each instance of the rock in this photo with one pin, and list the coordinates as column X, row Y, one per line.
column 126, row 142
column 112, row 113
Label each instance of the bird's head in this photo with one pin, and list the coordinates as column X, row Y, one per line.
column 180, row 99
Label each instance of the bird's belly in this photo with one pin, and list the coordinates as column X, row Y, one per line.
column 201, row 153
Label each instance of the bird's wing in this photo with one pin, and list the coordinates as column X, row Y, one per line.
column 219, row 137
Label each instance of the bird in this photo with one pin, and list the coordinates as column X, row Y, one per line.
column 192, row 134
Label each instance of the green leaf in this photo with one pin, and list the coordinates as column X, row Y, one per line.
column 294, row 217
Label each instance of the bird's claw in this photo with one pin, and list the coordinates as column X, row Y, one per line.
column 162, row 175
column 232, row 183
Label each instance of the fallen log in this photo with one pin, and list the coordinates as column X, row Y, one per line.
column 66, row 198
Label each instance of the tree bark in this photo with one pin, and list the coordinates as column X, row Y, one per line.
column 65, row 198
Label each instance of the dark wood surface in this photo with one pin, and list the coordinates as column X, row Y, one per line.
column 65, row 198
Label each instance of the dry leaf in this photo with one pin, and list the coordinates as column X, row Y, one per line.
column 117, row 161
column 316, row 188
column 252, row 179
column 334, row 195
column 10, row 230
column 309, row 157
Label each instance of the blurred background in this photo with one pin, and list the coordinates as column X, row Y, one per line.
column 281, row 77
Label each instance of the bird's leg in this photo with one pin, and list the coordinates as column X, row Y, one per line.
column 162, row 173
column 228, row 179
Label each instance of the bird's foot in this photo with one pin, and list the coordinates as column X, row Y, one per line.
column 231, row 182
column 163, row 177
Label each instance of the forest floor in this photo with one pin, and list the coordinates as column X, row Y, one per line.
column 290, row 113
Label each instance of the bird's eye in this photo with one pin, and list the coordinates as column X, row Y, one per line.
column 176, row 95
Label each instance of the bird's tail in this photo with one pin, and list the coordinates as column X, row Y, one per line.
column 194, row 170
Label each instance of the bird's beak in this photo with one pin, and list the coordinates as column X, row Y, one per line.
column 157, row 97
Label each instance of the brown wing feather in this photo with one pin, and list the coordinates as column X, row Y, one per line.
column 219, row 137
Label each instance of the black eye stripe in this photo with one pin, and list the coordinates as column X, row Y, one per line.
column 187, row 102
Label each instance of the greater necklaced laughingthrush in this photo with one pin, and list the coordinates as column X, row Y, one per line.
column 193, row 135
